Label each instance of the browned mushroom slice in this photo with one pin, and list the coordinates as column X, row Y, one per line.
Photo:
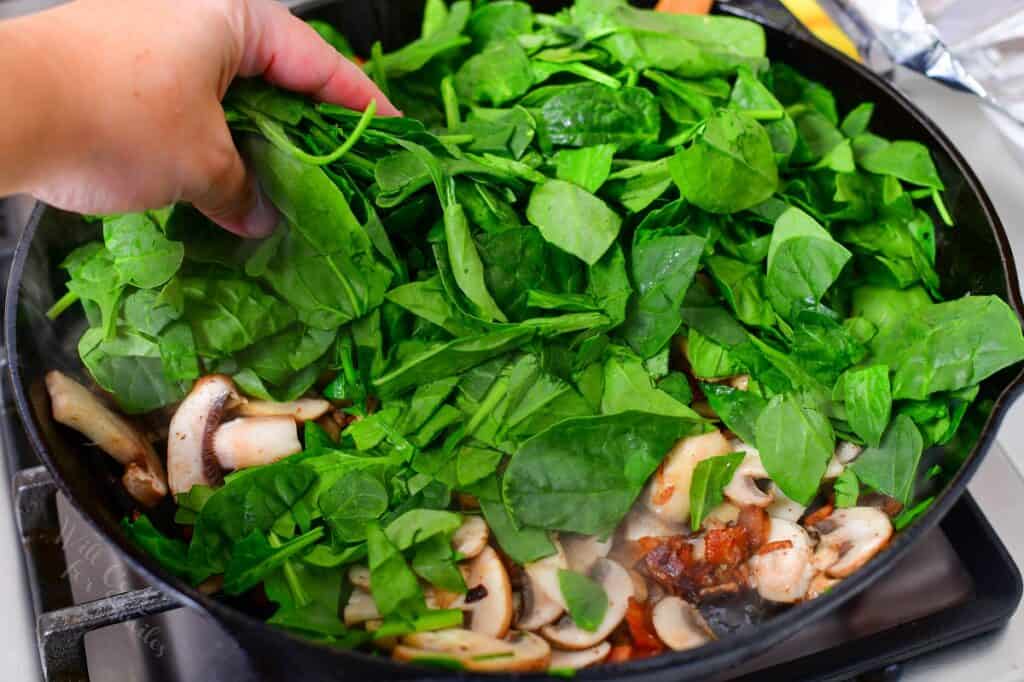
column 518, row 652
column 679, row 624
column 471, row 537
column 618, row 587
column 75, row 406
column 782, row 569
column 542, row 601
column 849, row 538
column 255, row 441
column 668, row 493
column 190, row 457
column 302, row 410
column 575, row 660
column 491, row 612
column 743, row 489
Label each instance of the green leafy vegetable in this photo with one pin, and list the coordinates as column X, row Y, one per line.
column 584, row 598
column 710, row 477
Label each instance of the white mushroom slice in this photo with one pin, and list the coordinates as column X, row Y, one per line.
column 849, row 538
column 575, row 660
column 359, row 576
column 834, row 469
column 255, row 441
column 784, row 572
column 583, row 550
column 491, row 614
column 846, row 452
column 302, row 410
column 640, row 591
column 518, row 652
column 783, row 507
column 618, row 587
column 471, row 537
column 741, row 382
column 360, row 608
column 679, row 624
column 640, row 523
column 743, row 488
column 542, row 601
column 821, row 584
column 75, row 406
column 190, row 457
column 668, row 493
column 722, row 515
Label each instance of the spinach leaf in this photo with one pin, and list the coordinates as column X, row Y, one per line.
column 130, row 367
column 498, row 21
column 948, row 346
column 803, row 261
column 847, row 489
column 710, row 477
column 393, row 584
column 95, row 280
column 585, row 599
column 228, row 315
column 499, row 74
column 590, row 114
column 142, row 255
column 582, row 475
column 738, row 410
column 573, row 219
column 891, row 467
column 628, row 387
column 729, row 167
column 170, row 553
column 351, row 503
column 907, row 160
column 588, row 167
column 253, row 558
column 868, row 402
column 434, row 561
column 663, row 266
column 796, row 444
column 707, row 359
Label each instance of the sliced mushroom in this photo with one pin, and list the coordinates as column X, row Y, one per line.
column 302, row 410
column 190, row 457
column 255, row 441
column 849, row 538
column 518, row 652
column 782, row 570
column 618, row 587
column 668, row 493
column 471, row 537
column 741, row 382
column 679, row 624
column 641, row 523
column 783, row 507
column 834, row 469
column 359, row 576
column 722, row 515
column 542, row 601
column 491, row 614
column 360, row 608
column 846, row 452
column 582, row 551
column 640, row 591
column 575, row 660
column 743, row 489
column 75, row 406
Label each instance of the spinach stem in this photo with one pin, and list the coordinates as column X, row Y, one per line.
column 62, row 304
column 451, row 102
column 494, row 395
column 279, row 138
column 763, row 114
column 299, row 593
column 377, row 70
column 940, row 206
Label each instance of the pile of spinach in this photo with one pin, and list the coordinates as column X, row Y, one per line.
column 506, row 286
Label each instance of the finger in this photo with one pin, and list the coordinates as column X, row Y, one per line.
column 228, row 194
column 289, row 53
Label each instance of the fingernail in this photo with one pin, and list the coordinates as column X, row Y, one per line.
column 262, row 219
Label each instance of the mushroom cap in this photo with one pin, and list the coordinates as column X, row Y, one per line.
column 518, row 652
column 784, row 574
column 668, row 493
column 491, row 615
column 471, row 537
column 743, row 489
column 301, row 410
column 255, row 441
column 574, row 660
column 618, row 587
column 783, row 507
column 190, row 458
column 542, row 600
column 359, row 576
column 849, row 538
column 679, row 624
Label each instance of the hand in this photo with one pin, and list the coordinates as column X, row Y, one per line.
column 137, row 96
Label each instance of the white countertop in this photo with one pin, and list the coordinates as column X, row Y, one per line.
column 998, row 658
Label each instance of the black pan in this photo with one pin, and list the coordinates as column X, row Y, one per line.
column 974, row 257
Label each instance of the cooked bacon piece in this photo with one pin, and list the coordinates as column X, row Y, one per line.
column 758, row 525
column 819, row 514
column 775, row 547
column 620, row 654
column 641, row 629
column 728, row 546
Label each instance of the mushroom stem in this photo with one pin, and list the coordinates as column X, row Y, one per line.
column 75, row 406
column 302, row 410
column 255, row 441
column 190, row 457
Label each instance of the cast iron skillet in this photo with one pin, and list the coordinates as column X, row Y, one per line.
column 974, row 257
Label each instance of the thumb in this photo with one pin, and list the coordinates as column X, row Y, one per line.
column 229, row 194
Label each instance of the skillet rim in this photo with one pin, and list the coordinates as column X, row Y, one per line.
column 713, row 657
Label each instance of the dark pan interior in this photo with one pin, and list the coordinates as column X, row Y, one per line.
column 974, row 257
